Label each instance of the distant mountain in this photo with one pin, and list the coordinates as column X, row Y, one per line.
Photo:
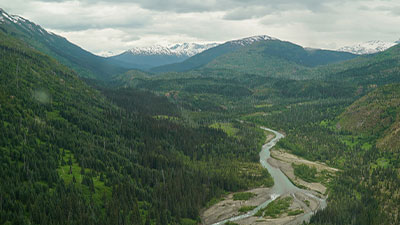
column 207, row 56
column 369, row 47
column 83, row 62
column 263, row 55
column 157, row 55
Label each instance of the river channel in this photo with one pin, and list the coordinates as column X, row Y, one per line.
column 282, row 185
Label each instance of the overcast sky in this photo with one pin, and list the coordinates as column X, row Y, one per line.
column 117, row 25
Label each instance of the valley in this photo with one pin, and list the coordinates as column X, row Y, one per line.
column 297, row 211
column 91, row 140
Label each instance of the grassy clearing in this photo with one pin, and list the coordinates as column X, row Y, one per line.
column 243, row 196
column 228, row 128
column 245, row 209
column 70, row 171
column 306, row 173
column 276, row 208
column 231, row 223
column 352, row 141
column 214, row 201
column 165, row 117
column 263, row 106
column 381, row 162
column 187, row 221
column 295, row 212
column 311, row 175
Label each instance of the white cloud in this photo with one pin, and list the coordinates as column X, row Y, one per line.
column 117, row 25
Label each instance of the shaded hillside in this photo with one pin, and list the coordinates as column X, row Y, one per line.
column 378, row 69
column 144, row 62
column 376, row 115
column 83, row 62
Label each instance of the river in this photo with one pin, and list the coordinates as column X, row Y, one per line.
column 282, row 185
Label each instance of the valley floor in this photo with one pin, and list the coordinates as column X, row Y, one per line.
column 301, row 202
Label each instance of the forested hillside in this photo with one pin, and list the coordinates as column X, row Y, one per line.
column 261, row 55
column 71, row 156
column 377, row 116
column 159, row 148
column 318, row 117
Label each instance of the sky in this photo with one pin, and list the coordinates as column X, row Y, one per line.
column 102, row 26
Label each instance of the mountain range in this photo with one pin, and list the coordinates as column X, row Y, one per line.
column 158, row 55
column 369, row 47
column 159, row 148
column 259, row 55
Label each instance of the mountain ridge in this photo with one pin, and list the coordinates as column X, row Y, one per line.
column 180, row 49
column 260, row 54
column 369, row 47
column 83, row 62
column 145, row 58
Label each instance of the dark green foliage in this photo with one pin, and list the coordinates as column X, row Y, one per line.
column 276, row 207
column 263, row 58
column 143, row 102
column 243, row 196
column 302, row 56
column 120, row 164
column 231, row 223
column 245, row 209
column 305, row 172
column 295, row 212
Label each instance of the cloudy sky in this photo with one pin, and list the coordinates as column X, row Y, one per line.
column 116, row 25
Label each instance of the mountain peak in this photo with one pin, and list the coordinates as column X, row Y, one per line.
column 368, row 47
column 251, row 40
column 180, row 49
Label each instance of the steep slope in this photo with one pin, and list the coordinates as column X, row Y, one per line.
column 377, row 115
column 259, row 55
column 369, row 47
column 70, row 156
column 83, row 62
column 153, row 56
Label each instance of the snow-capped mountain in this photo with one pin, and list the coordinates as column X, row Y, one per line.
column 146, row 57
column 183, row 49
column 251, row 40
column 25, row 24
column 83, row 62
column 368, row 47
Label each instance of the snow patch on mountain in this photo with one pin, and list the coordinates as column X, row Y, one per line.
column 22, row 22
column 191, row 49
column 251, row 40
column 368, row 47
column 8, row 17
column 107, row 54
column 182, row 49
